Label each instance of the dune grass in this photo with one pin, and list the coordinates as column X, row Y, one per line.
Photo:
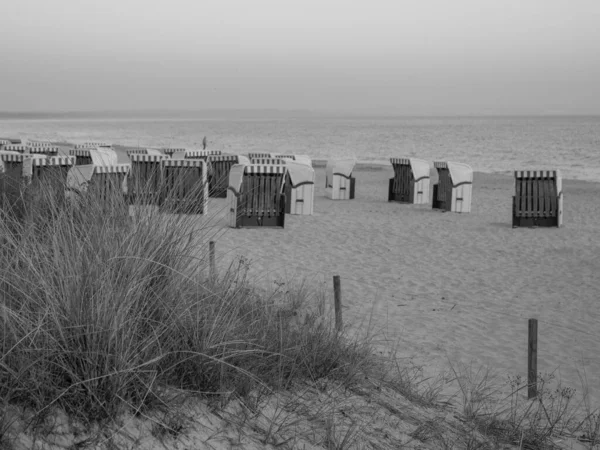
column 104, row 312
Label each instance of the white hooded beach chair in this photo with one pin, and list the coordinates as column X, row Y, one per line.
column 454, row 190
column 256, row 195
column 299, row 188
column 184, row 186
column 339, row 183
column 411, row 181
column 538, row 199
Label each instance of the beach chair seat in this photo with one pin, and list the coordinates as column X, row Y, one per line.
column 538, row 199
column 453, row 191
column 339, row 183
column 145, row 178
column 256, row 195
column 299, row 188
column 411, row 180
column 184, row 186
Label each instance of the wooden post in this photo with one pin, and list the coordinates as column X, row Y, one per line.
column 532, row 359
column 337, row 297
column 211, row 256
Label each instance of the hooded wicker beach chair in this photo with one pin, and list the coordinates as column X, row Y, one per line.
column 411, row 181
column 339, row 183
column 184, row 186
column 145, row 178
column 256, row 195
column 454, row 188
column 538, row 199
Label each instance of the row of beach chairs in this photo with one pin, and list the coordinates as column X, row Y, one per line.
column 538, row 199
column 261, row 188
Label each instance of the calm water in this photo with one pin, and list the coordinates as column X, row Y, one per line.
column 489, row 144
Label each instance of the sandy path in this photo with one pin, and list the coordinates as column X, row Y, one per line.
column 446, row 285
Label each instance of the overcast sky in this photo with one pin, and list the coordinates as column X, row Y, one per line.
column 410, row 57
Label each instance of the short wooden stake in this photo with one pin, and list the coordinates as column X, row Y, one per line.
column 337, row 298
column 532, row 359
column 211, row 257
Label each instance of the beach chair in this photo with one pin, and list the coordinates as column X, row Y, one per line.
column 170, row 151
column 256, row 195
column 201, row 154
column 20, row 175
column 145, row 178
column 258, row 155
column 21, row 148
column 268, row 161
column 43, row 150
column 538, row 199
column 105, row 182
column 281, row 156
column 299, row 188
column 99, row 156
column 411, row 181
column 9, row 140
column 339, row 183
column 218, row 179
column 184, row 186
column 34, row 143
column 92, row 145
column 454, row 189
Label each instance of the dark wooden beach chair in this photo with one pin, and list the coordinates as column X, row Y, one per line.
column 538, row 199
column 256, row 195
column 454, row 189
column 218, row 180
column 254, row 155
column 23, row 175
column 411, row 181
column 184, row 186
column 145, row 179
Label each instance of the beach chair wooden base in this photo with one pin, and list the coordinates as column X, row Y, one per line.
column 405, row 195
column 244, row 220
column 538, row 199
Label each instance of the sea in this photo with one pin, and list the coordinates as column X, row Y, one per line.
column 499, row 144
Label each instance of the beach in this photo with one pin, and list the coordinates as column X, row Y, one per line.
column 442, row 287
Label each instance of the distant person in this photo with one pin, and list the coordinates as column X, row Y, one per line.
column 204, row 143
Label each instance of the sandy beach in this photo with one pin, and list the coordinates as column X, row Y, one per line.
column 445, row 287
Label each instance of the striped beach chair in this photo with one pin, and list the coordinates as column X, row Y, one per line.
column 255, row 196
column 299, row 188
column 282, row 156
column 184, row 186
column 218, row 180
column 454, row 190
column 411, row 181
column 22, row 174
column 44, row 149
column 92, row 145
column 9, row 140
column 268, row 161
column 99, row 156
column 538, row 199
column 21, row 148
column 170, row 151
column 201, row 154
column 255, row 155
column 35, row 144
column 145, row 178
column 339, row 183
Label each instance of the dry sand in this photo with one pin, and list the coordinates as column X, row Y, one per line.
column 446, row 286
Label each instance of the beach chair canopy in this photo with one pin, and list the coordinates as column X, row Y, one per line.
column 236, row 174
column 343, row 167
column 303, row 159
column 460, row 173
column 300, row 173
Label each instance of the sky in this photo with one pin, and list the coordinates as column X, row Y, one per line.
column 421, row 57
